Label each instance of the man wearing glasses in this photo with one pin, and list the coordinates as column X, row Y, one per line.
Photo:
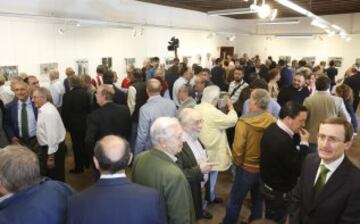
column 328, row 190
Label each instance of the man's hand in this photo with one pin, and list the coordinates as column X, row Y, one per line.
column 205, row 166
column 304, row 135
column 229, row 103
column 50, row 163
column 15, row 141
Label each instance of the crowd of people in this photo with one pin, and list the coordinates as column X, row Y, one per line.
column 282, row 130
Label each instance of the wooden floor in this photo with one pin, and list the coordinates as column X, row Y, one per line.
column 82, row 181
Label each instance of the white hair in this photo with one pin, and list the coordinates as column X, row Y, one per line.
column 160, row 129
column 261, row 97
column 210, row 93
column 187, row 115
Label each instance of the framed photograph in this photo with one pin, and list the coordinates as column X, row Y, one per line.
column 287, row 59
column 130, row 62
column 337, row 60
column 107, row 62
column 9, row 71
column 82, row 67
column 45, row 68
column 310, row 60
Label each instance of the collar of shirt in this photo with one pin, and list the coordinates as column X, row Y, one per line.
column 3, row 198
column 153, row 97
column 172, row 157
column 285, row 128
column 27, row 102
column 43, row 107
column 334, row 164
column 112, row 176
column 189, row 138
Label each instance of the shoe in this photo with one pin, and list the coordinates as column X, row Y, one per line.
column 217, row 201
column 76, row 171
column 206, row 215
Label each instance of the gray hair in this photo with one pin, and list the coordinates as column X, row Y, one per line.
column 160, row 129
column 261, row 97
column 19, row 168
column 186, row 115
column 54, row 74
column 210, row 93
column 44, row 92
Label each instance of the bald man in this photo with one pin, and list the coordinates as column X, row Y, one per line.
column 155, row 107
column 113, row 198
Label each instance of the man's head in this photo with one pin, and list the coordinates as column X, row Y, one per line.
column 19, row 169
column 153, row 87
column 298, row 81
column 100, row 69
column 13, row 81
column 176, row 61
column 21, row 90
column 108, row 77
column 166, row 135
column 199, row 84
column 104, row 94
column 281, row 63
column 211, row 94
column 85, row 81
column 205, row 73
column 334, row 138
column 238, row 74
column 69, row 72
column 137, row 74
column 258, row 84
column 112, row 154
column 130, row 72
column 191, row 122
column 259, row 100
column 74, row 82
column 331, row 63
column 218, row 61
column 53, row 75
column 185, row 71
column 293, row 115
column 33, row 83
column 155, row 62
column 41, row 96
column 322, row 83
column 183, row 92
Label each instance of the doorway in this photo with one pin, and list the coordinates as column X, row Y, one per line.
column 225, row 51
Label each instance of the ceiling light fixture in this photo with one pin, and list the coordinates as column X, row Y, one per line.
column 226, row 12
column 280, row 22
column 231, row 38
column 294, row 36
column 319, row 24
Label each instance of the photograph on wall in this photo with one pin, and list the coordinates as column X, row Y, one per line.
column 9, row 71
column 107, row 62
column 130, row 62
column 45, row 68
column 309, row 60
column 82, row 67
column 337, row 60
column 357, row 62
column 287, row 59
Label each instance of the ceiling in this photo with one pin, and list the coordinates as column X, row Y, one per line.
column 318, row 7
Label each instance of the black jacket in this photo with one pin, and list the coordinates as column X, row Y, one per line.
column 281, row 158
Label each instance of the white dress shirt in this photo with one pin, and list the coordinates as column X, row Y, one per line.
column 50, row 128
column 331, row 167
column 6, row 95
column 112, row 176
column 57, row 91
column 285, row 128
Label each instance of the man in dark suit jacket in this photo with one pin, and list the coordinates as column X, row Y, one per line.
column 193, row 159
column 296, row 92
column 286, row 75
column 114, row 199
column 28, row 198
column 282, row 154
column 110, row 118
column 328, row 190
column 119, row 96
column 75, row 108
column 354, row 82
column 332, row 72
column 218, row 75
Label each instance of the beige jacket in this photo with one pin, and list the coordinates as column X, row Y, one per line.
column 213, row 134
column 322, row 105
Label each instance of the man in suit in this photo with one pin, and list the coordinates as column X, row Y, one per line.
column 110, row 118
column 156, row 168
column 33, row 84
column 354, row 82
column 27, row 198
column 286, row 75
column 113, row 198
column 69, row 72
column 283, row 147
column 172, row 74
column 296, row 92
column 20, row 121
column 218, row 74
column 328, row 190
column 332, row 72
column 76, row 107
column 119, row 96
column 155, row 107
column 322, row 105
column 193, row 159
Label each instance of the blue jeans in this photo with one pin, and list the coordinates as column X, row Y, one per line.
column 243, row 183
column 212, row 181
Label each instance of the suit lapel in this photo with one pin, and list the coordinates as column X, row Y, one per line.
column 189, row 153
column 336, row 180
column 309, row 181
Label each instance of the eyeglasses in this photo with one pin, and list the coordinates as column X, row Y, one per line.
column 330, row 139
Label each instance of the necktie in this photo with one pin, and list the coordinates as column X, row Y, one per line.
column 320, row 183
column 24, row 122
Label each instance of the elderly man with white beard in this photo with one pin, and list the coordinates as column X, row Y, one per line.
column 193, row 159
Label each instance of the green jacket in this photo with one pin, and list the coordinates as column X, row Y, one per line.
column 155, row 169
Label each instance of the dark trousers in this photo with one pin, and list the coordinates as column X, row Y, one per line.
column 58, row 172
column 276, row 205
column 34, row 146
column 78, row 146
column 243, row 183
